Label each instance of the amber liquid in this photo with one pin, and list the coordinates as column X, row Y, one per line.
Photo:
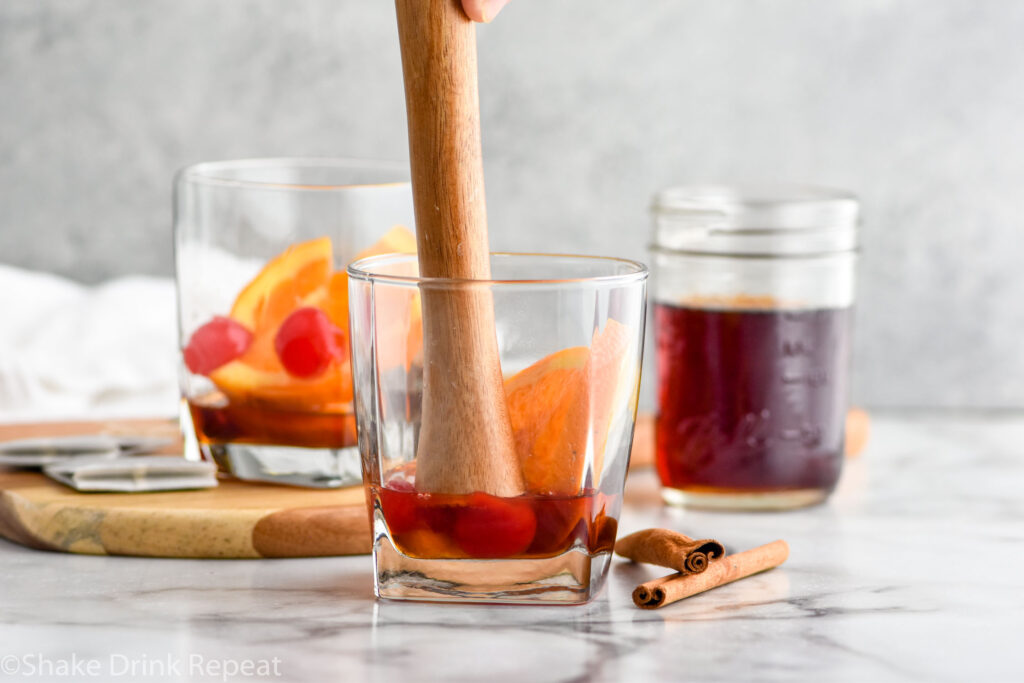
column 751, row 400
column 221, row 422
column 481, row 526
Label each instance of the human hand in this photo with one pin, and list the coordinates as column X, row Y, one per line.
column 483, row 10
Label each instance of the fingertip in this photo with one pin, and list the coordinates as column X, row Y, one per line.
column 474, row 9
column 491, row 9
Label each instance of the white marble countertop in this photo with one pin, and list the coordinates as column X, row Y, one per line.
column 913, row 571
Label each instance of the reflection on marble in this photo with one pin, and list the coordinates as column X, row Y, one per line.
column 911, row 572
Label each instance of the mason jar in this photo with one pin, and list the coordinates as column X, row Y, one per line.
column 753, row 293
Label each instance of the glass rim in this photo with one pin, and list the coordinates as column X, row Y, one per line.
column 659, row 250
column 207, row 172
column 638, row 271
column 702, row 197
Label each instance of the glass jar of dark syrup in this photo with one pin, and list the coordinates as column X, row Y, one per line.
column 753, row 293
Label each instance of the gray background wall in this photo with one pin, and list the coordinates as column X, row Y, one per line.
column 918, row 105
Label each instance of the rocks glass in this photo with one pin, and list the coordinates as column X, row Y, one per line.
column 260, row 253
column 569, row 333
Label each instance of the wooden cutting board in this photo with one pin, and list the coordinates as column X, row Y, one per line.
column 235, row 520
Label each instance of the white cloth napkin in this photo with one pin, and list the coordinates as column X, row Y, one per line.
column 70, row 351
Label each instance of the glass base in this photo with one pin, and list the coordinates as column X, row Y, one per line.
column 572, row 578
column 322, row 468
column 744, row 500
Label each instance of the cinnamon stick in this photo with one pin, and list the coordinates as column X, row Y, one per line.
column 671, row 549
column 669, row 589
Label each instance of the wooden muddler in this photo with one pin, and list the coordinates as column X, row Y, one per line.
column 671, row 549
column 465, row 441
column 669, row 589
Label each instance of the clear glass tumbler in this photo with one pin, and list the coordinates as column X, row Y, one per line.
column 753, row 293
column 569, row 332
column 261, row 247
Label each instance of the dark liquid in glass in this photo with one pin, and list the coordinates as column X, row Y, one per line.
column 751, row 401
column 481, row 526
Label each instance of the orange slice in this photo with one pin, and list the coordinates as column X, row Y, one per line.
column 298, row 277
column 562, row 405
column 398, row 314
column 282, row 286
column 243, row 383
column 540, row 403
column 398, row 240
column 607, row 354
column 279, row 288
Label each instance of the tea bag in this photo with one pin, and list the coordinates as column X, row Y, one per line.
column 40, row 451
column 133, row 474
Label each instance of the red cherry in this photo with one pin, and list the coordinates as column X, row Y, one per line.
column 494, row 527
column 399, row 503
column 561, row 523
column 307, row 342
column 439, row 516
column 398, row 483
column 217, row 342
